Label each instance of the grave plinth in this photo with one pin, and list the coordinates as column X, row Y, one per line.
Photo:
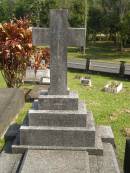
column 59, row 120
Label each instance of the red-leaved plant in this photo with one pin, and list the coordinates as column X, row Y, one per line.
column 39, row 55
column 15, row 50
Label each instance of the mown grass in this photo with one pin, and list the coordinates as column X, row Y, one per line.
column 102, row 51
column 23, row 113
column 108, row 109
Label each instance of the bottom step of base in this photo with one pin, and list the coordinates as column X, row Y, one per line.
column 96, row 150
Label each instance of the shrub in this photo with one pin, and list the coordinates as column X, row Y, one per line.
column 15, row 50
column 39, row 55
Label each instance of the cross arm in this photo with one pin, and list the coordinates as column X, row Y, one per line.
column 76, row 37
column 41, row 36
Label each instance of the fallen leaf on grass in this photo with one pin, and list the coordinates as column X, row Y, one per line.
column 127, row 111
column 126, row 132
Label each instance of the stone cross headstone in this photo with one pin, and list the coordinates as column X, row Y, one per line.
column 59, row 36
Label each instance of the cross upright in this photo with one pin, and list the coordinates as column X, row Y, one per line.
column 59, row 36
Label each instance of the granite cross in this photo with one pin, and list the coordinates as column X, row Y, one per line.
column 58, row 36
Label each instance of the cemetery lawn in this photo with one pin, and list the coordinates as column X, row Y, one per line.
column 108, row 109
column 23, row 113
column 102, row 51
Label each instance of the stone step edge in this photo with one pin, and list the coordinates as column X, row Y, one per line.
column 107, row 162
column 81, row 129
column 24, row 148
column 82, row 110
column 106, row 134
column 72, row 94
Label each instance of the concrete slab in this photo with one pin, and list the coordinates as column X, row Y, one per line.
column 106, row 163
column 106, row 134
column 9, row 162
column 48, row 161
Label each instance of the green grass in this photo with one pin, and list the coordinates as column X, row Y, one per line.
column 108, row 109
column 102, row 51
column 2, row 143
column 2, row 82
column 23, row 113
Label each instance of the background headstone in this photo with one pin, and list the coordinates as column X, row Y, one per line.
column 11, row 101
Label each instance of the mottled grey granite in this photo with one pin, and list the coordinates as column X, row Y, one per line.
column 58, row 102
column 57, row 136
column 64, row 118
column 106, row 163
column 93, row 150
column 55, row 161
column 9, row 162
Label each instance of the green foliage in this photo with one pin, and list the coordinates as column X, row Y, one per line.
column 7, row 8
column 77, row 15
column 15, row 50
column 37, row 10
column 102, row 51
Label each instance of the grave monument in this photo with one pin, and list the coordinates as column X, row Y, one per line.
column 61, row 135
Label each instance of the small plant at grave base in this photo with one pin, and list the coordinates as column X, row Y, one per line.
column 40, row 55
column 15, row 50
column 114, row 84
column 113, row 87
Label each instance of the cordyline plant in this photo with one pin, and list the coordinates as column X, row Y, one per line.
column 39, row 55
column 15, row 50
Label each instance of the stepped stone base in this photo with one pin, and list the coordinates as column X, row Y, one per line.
column 62, row 137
